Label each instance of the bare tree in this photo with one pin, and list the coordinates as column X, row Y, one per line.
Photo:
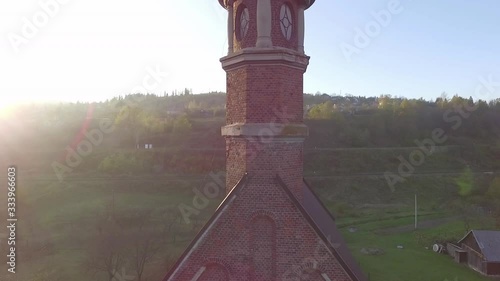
column 106, row 254
column 145, row 242
column 134, row 237
column 47, row 272
column 170, row 219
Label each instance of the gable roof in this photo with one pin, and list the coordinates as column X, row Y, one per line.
column 229, row 197
column 326, row 224
column 313, row 210
column 489, row 243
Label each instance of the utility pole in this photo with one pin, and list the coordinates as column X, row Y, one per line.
column 113, row 203
column 416, row 210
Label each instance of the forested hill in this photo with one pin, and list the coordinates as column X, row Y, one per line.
column 359, row 121
column 187, row 122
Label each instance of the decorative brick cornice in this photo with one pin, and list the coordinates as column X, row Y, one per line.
column 266, row 131
column 306, row 3
column 267, row 56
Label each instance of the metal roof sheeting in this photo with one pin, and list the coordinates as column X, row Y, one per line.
column 489, row 243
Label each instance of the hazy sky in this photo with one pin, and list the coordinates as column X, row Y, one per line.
column 94, row 50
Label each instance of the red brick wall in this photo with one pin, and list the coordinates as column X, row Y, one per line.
column 278, row 158
column 311, row 274
column 264, row 93
column 264, row 161
column 263, row 247
column 236, row 104
column 215, row 272
column 229, row 239
column 236, row 153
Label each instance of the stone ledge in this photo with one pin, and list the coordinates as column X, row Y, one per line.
column 268, row 56
column 266, row 130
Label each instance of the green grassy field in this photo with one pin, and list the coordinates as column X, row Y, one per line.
column 59, row 223
column 414, row 262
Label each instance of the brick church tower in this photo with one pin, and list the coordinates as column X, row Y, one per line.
column 270, row 226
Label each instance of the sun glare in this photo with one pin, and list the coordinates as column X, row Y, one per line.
column 6, row 110
column 7, row 106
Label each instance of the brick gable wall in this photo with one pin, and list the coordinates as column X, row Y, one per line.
column 299, row 250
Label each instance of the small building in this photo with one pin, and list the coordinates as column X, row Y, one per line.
column 480, row 250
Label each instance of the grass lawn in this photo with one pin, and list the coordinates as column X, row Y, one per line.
column 59, row 222
column 64, row 217
column 412, row 263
